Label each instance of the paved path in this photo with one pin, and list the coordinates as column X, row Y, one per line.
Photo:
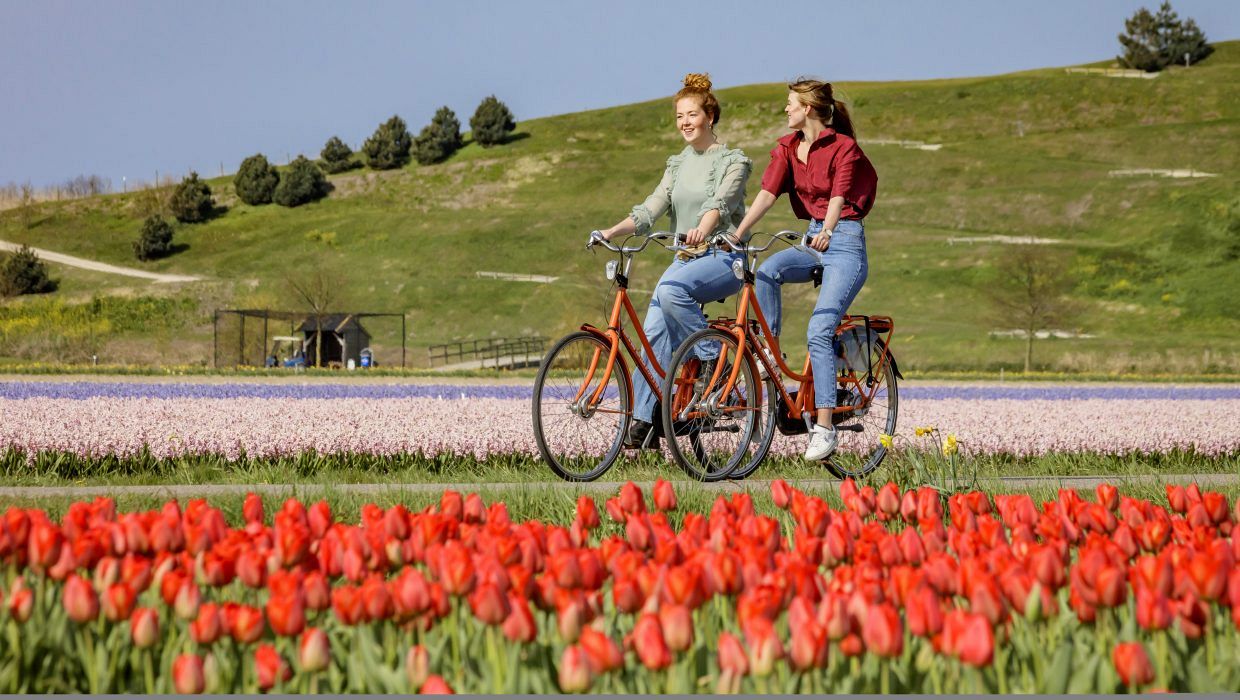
column 205, row 490
column 85, row 264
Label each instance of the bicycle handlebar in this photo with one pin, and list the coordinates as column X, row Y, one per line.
column 784, row 236
column 596, row 238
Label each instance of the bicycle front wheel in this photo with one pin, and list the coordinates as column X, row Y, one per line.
column 580, row 421
column 709, row 432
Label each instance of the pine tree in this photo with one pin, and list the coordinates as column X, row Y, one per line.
column 155, row 239
column 439, row 139
column 1154, row 41
column 303, row 182
column 191, row 202
column 389, row 146
column 492, row 122
column 256, row 180
column 24, row 273
column 337, row 156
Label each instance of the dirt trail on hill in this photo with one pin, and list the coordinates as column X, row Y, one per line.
column 97, row 266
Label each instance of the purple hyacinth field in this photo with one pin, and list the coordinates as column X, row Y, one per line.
column 252, row 420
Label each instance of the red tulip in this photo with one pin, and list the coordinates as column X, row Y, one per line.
column 649, row 643
column 475, row 510
column 925, row 613
column 435, row 685
column 118, row 602
column 574, row 671
column 417, row 665
column 489, row 604
column 187, row 600
column 808, row 648
column 270, row 667
column 601, row 651
column 456, row 569
column 1108, row 496
column 45, row 542
column 889, row 500
column 187, row 675
column 1132, row 664
column 1111, row 586
column 1177, row 498
column 614, row 510
column 764, row 646
column 317, row 591
column 245, row 623
column 80, row 600
column 1153, row 610
column 732, row 657
column 1208, row 576
column 631, row 499
column 252, row 509
column 975, row 641
column 520, row 625
column 206, row 628
column 21, row 603
column 781, row 494
column 882, row 631
column 286, row 614
column 144, row 628
column 627, row 595
column 677, row 624
column 664, row 495
column 376, row 598
column 587, row 512
column 314, row 650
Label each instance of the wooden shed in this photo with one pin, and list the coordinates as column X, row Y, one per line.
column 343, row 339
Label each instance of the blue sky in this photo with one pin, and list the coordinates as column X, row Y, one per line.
column 126, row 88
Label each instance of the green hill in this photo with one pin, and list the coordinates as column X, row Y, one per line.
column 1157, row 260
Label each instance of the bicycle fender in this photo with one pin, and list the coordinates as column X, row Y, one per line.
column 895, row 369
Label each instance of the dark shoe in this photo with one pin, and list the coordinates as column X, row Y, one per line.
column 639, row 434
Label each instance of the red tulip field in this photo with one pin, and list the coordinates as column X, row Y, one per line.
column 862, row 591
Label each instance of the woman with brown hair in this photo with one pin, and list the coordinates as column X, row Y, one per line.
column 703, row 191
column 830, row 182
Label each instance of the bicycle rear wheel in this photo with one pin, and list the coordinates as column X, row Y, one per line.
column 580, row 426
column 710, row 434
column 860, row 449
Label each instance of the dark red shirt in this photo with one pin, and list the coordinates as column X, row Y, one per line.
column 836, row 167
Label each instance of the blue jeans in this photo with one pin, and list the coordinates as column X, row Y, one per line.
column 675, row 314
column 844, row 269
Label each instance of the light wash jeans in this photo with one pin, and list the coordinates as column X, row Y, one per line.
column 675, row 314
column 844, row 269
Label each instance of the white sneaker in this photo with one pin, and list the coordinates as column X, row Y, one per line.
column 822, row 442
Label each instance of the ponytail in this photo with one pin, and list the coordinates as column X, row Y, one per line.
column 819, row 96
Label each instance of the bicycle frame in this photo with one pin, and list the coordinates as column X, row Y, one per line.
column 616, row 338
column 801, row 404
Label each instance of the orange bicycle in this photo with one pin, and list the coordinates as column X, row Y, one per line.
column 582, row 401
column 724, row 390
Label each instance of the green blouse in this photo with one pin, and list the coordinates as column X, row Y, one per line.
column 695, row 183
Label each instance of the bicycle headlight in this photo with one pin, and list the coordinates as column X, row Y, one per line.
column 738, row 269
column 612, row 266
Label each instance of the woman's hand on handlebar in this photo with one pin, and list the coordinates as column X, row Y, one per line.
column 820, row 241
column 694, row 236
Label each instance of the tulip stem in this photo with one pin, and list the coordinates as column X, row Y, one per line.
column 885, row 682
column 1162, row 674
column 148, row 671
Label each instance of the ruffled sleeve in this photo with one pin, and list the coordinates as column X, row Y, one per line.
column 656, row 205
column 725, row 188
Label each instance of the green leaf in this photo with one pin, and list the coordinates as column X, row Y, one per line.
column 1085, row 677
column 1199, row 679
column 1057, row 677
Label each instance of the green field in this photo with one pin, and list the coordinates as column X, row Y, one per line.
column 1155, row 260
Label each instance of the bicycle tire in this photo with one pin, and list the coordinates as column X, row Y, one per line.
column 569, row 457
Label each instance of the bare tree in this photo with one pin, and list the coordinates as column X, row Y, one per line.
column 319, row 287
column 26, row 204
column 1031, row 290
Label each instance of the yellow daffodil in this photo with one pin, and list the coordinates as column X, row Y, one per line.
column 924, row 430
column 951, row 447
column 886, row 440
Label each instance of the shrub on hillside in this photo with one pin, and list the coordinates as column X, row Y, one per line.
column 337, row 156
column 256, row 180
column 155, row 239
column 492, row 122
column 191, row 201
column 1154, row 41
column 24, row 273
column 303, row 182
column 389, row 146
column 439, row 139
